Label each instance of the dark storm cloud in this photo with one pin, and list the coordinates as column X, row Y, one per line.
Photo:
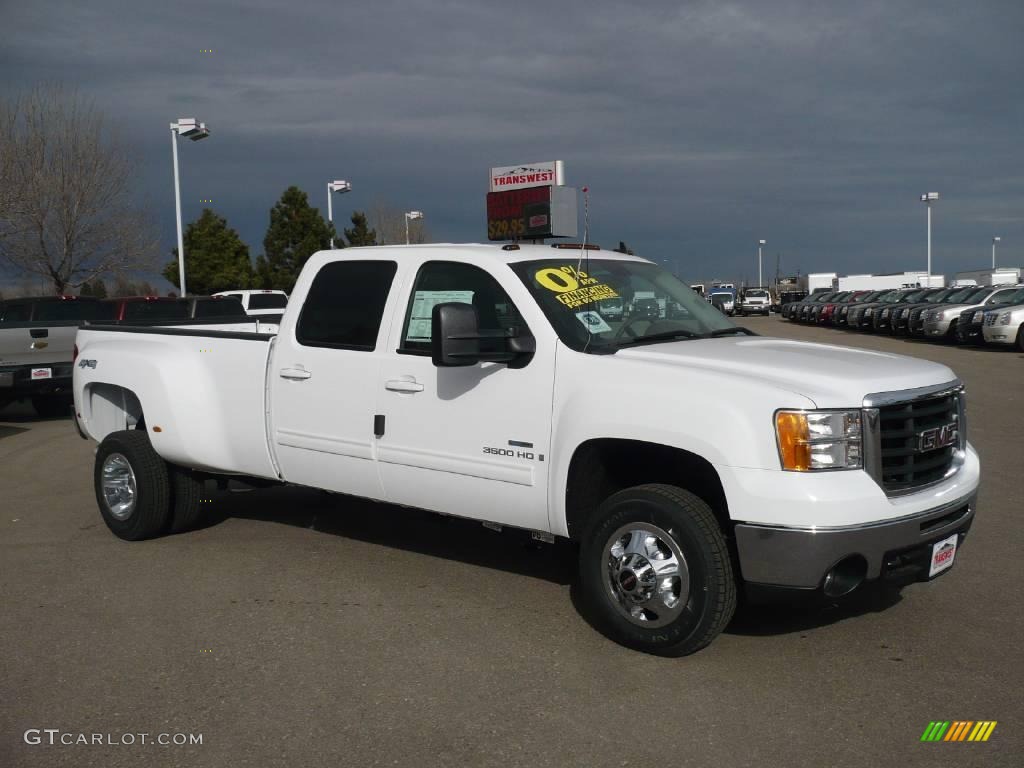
column 699, row 127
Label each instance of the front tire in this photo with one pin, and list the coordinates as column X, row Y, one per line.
column 655, row 571
column 1020, row 339
column 132, row 488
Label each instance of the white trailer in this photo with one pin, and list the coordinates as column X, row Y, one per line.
column 881, row 282
column 815, row 281
column 997, row 276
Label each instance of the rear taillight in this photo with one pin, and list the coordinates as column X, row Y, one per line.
column 74, row 354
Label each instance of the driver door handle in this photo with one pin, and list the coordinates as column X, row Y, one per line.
column 403, row 385
column 294, row 373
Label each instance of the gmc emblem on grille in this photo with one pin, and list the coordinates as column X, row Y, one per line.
column 937, row 437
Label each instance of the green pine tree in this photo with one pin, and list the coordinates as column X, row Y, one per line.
column 86, row 289
column 99, row 289
column 360, row 232
column 216, row 259
column 296, row 232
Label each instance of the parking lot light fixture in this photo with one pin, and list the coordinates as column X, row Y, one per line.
column 192, row 129
column 341, row 187
column 760, row 244
column 928, row 198
column 994, row 241
column 409, row 215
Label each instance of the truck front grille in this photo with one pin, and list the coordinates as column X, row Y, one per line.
column 912, row 433
column 990, row 319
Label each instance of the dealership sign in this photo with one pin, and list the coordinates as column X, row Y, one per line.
column 533, row 213
column 528, row 175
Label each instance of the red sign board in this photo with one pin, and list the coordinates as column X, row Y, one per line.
column 519, row 213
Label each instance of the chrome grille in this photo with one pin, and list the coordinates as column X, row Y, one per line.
column 906, row 460
column 990, row 319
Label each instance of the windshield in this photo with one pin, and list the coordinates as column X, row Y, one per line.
column 757, row 294
column 1016, row 297
column 937, row 297
column 574, row 295
column 972, row 295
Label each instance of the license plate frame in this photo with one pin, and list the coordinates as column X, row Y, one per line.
column 943, row 555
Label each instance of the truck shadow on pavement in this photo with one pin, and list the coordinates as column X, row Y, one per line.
column 6, row 430
column 511, row 551
column 402, row 528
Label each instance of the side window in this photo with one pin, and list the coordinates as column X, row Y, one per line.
column 441, row 282
column 345, row 305
column 998, row 296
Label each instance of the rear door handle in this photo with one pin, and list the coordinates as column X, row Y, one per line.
column 403, row 385
column 294, row 373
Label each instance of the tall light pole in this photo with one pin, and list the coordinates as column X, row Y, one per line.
column 928, row 198
column 994, row 241
column 341, row 187
column 760, row 244
column 409, row 216
column 194, row 130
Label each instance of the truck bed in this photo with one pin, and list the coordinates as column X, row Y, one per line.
column 200, row 386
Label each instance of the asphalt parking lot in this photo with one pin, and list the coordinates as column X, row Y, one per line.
column 304, row 629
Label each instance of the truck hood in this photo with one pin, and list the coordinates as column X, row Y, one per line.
column 831, row 376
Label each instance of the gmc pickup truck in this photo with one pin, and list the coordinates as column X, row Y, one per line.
column 688, row 457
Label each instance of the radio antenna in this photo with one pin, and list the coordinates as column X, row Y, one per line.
column 585, row 252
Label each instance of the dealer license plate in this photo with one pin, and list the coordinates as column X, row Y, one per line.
column 42, row 373
column 943, row 553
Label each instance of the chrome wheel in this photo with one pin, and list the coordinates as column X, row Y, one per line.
column 647, row 576
column 118, row 485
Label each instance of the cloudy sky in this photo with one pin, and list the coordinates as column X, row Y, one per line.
column 699, row 127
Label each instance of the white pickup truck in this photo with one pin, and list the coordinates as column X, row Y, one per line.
column 687, row 457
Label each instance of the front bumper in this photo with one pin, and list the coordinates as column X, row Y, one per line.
column 800, row 558
column 1000, row 334
column 936, row 328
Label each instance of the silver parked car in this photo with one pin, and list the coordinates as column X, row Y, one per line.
column 940, row 322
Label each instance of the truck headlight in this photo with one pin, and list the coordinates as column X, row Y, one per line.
column 978, row 316
column 812, row 440
column 1004, row 319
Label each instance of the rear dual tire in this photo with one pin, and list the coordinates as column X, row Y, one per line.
column 141, row 496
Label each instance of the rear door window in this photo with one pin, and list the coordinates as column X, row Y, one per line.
column 345, row 305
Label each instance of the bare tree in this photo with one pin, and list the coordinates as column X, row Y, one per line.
column 389, row 222
column 66, row 207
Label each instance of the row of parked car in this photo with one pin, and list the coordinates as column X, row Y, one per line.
column 37, row 334
column 967, row 315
